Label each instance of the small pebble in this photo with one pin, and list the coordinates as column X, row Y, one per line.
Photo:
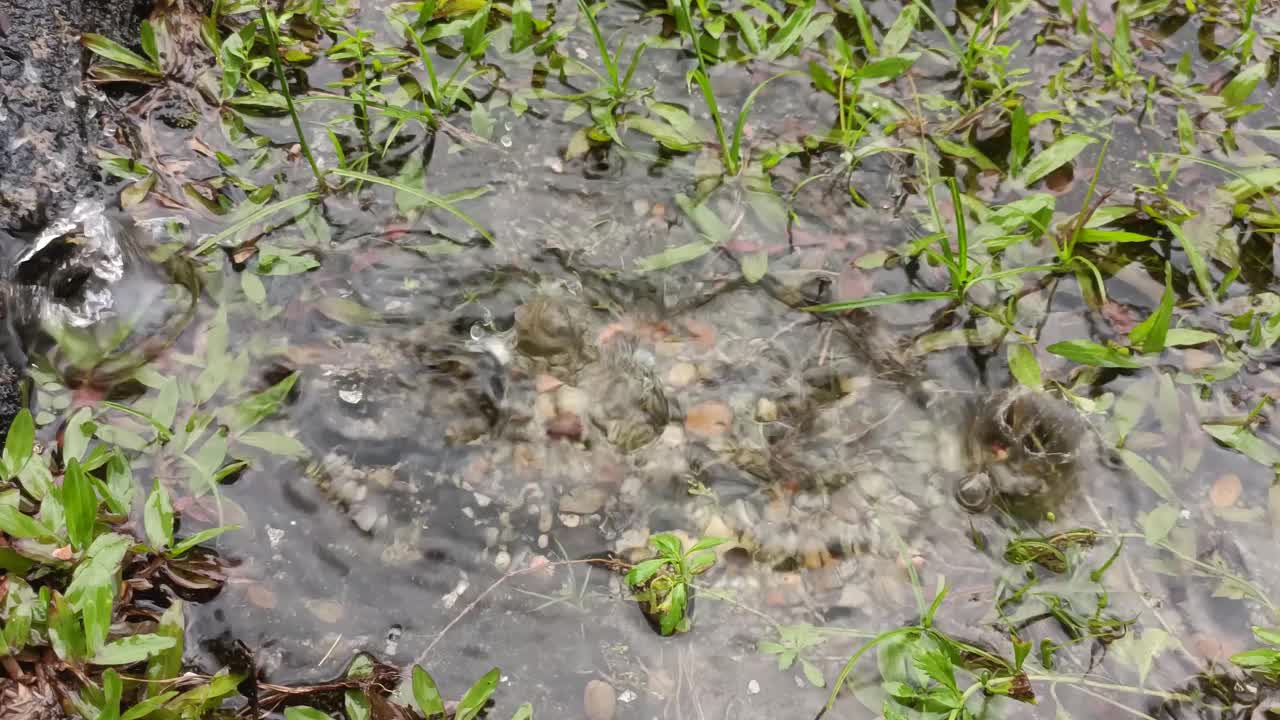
column 570, row 520
column 502, row 560
column 766, row 410
column 599, row 701
column 753, row 687
column 682, row 374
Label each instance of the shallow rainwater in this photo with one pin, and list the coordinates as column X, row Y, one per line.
column 476, row 419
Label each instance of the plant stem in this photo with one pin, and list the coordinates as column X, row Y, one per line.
column 273, row 45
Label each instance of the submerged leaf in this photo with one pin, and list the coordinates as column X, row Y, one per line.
column 1055, row 156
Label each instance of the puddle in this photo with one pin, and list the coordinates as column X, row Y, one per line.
column 473, row 420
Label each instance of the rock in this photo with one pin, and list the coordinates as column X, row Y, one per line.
column 47, row 121
column 572, row 400
column 766, row 410
column 583, row 500
column 366, row 518
column 709, row 419
column 10, row 397
column 682, row 374
column 1226, row 491
column 599, row 702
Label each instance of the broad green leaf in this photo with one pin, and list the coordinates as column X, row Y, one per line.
column 19, row 609
column 754, row 265
column 789, row 33
column 1019, row 139
column 15, row 523
column 1024, row 367
column 194, row 702
column 900, row 32
column 64, row 631
column 1242, row 85
column 114, row 51
column 666, row 544
column 1091, row 353
column 19, row 443
column 1089, row 235
column 1055, row 156
column 97, row 605
column 1244, row 441
column 644, row 570
column 256, row 408
column 1149, row 335
column 158, row 518
column 167, row 664
column 147, row 35
column 521, row 25
column 1194, row 256
column 203, row 536
column 146, row 707
column 473, row 702
column 524, row 712
column 1252, row 183
column 303, row 712
column 676, row 601
column 132, row 649
column 80, row 503
column 425, row 693
column 673, row 256
column 275, row 443
column 966, row 151
column 1184, row 337
column 1158, row 523
column 1141, row 648
column 100, row 566
column 76, row 438
column 1148, row 474
column 887, row 68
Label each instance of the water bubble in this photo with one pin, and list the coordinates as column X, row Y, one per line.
column 505, row 140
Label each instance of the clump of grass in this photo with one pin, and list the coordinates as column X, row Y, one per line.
column 273, row 47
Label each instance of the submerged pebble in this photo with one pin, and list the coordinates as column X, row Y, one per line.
column 599, row 701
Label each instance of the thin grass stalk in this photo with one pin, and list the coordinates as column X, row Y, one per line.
column 273, row 45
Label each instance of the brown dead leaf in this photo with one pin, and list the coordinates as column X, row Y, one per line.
column 709, row 419
column 703, row 334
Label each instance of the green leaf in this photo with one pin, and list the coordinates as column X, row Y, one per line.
column 1184, row 337
column 812, row 673
column 707, row 543
column 426, row 197
column 275, row 443
column 1112, row 236
column 473, row 702
column 667, row 544
column 100, row 566
column 76, row 438
column 1149, row 335
column 1258, row 658
column 676, row 603
column 968, row 152
column 521, row 25
column 1141, row 648
column 80, row 503
column 425, row 693
column 148, row 706
column 356, row 703
column 1158, row 523
column 64, row 632
column 646, row 569
column 935, row 664
column 201, row 537
column 111, row 50
column 303, row 712
column 1019, row 139
column 1252, row 183
column 881, row 300
column 158, row 518
column 132, row 649
column 167, row 664
column 1054, row 157
column 19, row 610
column 1244, row 441
column 147, row 35
column 900, row 32
column 1091, row 353
column 1148, row 474
column 1242, row 85
column 1024, row 367
column 524, row 712
column 887, row 68
column 97, row 605
column 1266, row 635
column 20, row 443
column 787, row 35
column 754, row 265
column 1194, row 256
column 18, row 525
column 257, row 407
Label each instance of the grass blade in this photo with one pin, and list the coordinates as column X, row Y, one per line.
column 426, row 197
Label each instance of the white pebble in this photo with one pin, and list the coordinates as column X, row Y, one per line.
column 753, row 687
